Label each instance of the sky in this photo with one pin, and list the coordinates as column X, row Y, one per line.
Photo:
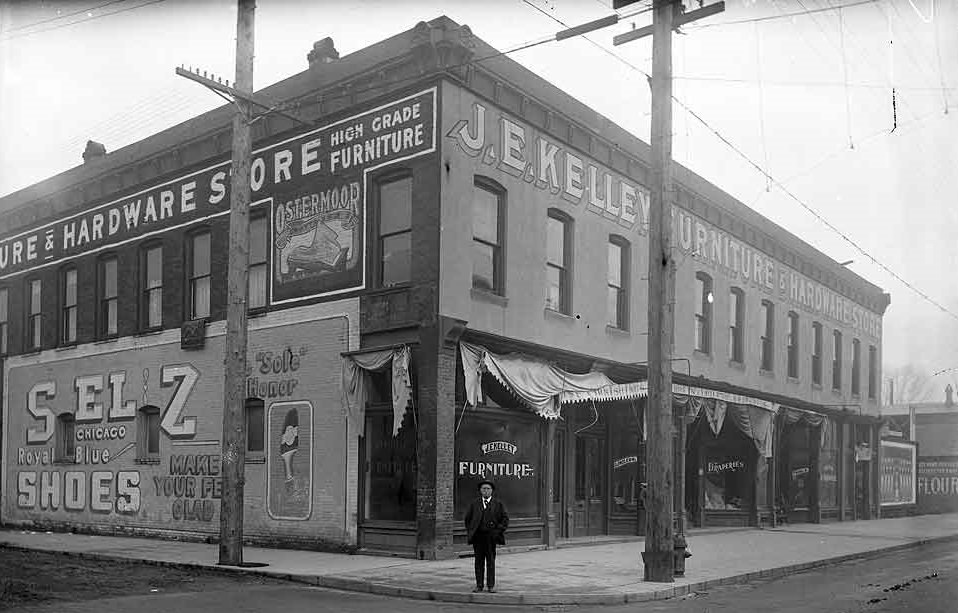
column 853, row 113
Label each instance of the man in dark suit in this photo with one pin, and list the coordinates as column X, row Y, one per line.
column 486, row 523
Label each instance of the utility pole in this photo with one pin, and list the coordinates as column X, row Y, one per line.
column 661, row 541
column 234, row 360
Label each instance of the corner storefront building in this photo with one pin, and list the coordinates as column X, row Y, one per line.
column 446, row 271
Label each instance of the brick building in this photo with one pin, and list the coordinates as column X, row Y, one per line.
column 445, row 284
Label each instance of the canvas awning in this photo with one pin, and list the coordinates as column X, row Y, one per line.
column 357, row 364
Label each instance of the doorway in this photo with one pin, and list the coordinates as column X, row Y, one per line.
column 591, row 481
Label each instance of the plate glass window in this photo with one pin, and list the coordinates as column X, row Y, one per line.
column 395, row 231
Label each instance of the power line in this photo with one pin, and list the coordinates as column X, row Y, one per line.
column 782, row 16
column 784, row 189
column 79, row 21
column 59, row 17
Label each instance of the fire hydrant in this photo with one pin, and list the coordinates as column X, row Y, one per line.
column 679, row 553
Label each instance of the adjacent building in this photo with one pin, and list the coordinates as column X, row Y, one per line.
column 447, row 264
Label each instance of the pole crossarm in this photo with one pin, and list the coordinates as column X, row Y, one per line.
column 679, row 20
column 221, row 88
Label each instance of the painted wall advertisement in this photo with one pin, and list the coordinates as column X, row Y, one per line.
column 509, row 146
column 897, row 473
column 937, row 484
column 134, row 437
column 312, row 185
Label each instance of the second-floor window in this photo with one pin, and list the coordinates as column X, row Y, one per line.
column 736, row 325
column 4, row 298
column 872, row 371
column 487, row 212
column 151, row 306
column 768, row 335
column 558, row 262
column 856, row 366
column 258, row 261
column 816, row 353
column 618, row 283
column 68, row 300
column 395, row 231
column 199, row 271
column 108, row 301
column 792, row 344
column 34, row 314
column 837, row 361
column 703, row 312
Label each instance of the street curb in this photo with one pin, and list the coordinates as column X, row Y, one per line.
column 382, row 589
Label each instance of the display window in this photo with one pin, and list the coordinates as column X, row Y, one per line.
column 829, row 457
column 505, row 449
column 797, row 466
column 391, row 469
column 628, row 462
column 727, row 467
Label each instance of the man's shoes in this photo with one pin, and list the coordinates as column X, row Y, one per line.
column 477, row 589
column 492, row 590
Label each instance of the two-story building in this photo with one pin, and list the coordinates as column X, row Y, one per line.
column 447, row 265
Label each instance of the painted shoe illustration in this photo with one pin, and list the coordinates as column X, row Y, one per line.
column 289, row 443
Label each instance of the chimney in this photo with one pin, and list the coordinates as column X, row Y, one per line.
column 93, row 150
column 949, row 401
column 324, row 52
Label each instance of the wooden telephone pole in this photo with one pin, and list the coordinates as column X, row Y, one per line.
column 234, row 401
column 661, row 541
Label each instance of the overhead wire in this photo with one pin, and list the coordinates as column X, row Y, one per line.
column 79, row 21
column 784, row 189
column 59, row 17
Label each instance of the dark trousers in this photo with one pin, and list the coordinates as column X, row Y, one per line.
column 484, row 546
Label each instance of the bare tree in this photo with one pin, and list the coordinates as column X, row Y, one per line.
column 912, row 383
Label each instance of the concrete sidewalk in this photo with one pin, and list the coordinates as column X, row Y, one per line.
column 595, row 574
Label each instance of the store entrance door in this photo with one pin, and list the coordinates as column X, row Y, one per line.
column 591, row 482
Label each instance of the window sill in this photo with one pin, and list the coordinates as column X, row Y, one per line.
column 155, row 461
column 483, row 295
column 766, row 373
column 837, row 392
column 616, row 331
column 816, row 386
column 791, row 379
column 106, row 339
column 150, row 332
column 856, row 395
column 255, row 459
column 736, row 364
column 553, row 314
column 257, row 312
column 69, row 347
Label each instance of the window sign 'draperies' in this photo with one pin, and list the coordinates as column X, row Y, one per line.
column 311, row 184
column 501, row 142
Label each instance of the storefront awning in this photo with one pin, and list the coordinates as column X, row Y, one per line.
column 536, row 383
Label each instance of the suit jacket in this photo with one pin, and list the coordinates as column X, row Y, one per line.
column 498, row 520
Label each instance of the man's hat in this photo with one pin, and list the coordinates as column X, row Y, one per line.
column 486, row 482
